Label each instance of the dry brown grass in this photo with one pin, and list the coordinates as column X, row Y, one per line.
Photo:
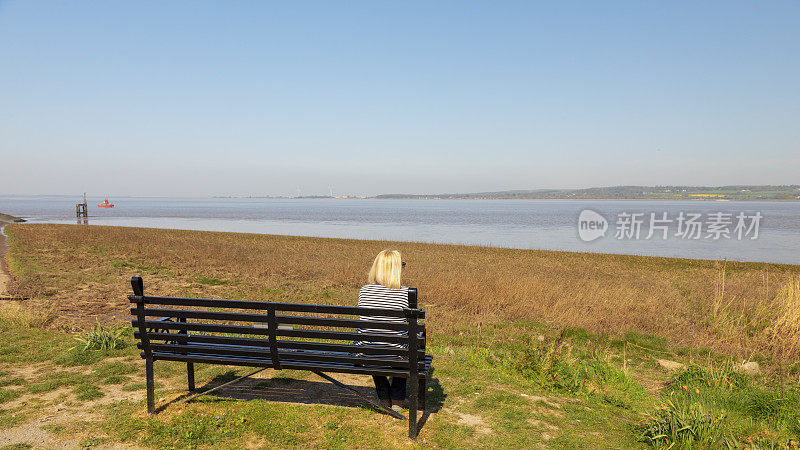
column 84, row 271
column 14, row 313
column 786, row 329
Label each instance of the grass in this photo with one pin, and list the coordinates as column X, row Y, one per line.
column 717, row 405
column 576, row 391
column 787, row 326
column 14, row 313
column 54, row 380
column 682, row 423
column 86, row 391
column 733, row 308
column 209, row 281
column 544, row 349
column 8, row 394
column 102, row 338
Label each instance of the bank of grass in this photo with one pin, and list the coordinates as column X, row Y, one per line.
column 740, row 309
column 517, row 384
column 530, row 348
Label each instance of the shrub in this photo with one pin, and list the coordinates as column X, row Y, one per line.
column 682, row 423
column 102, row 338
column 552, row 366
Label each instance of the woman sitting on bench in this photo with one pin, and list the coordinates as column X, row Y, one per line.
column 385, row 291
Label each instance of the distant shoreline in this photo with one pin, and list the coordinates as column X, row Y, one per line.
column 754, row 193
column 673, row 193
column 664, row 193
column 782, row 200
column 595, row 199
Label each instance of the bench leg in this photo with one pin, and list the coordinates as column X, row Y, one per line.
column 190, row 375
column 413, row 404
column 151, row 401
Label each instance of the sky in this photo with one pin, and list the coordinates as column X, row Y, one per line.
column 194, row 98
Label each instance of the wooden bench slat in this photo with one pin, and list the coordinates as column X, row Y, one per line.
column 209, row 338
column 285, row 355
column 263, row 306
column 193, row 314
column 348, row 323
column 352, row 348
column 263, row 318
column 238, row 329
column 344, row 336
column 252, row 362
column 264, row 343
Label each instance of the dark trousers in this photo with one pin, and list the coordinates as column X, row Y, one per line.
column 395, row 391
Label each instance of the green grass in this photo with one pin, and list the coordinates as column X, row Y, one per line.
column 683, row 423
column 102, row 338
column 29, row 345
column 86, row 391
column 15, row 381
column 127, row 265
column 16, row 447
column 114, row 373
column 644, row 341
column 53, row 380
column 715, row 405
column 224, row 424
column 513, row 385
column 209, row 281
column 8, row 395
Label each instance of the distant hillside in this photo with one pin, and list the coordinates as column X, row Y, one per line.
column 787, row 192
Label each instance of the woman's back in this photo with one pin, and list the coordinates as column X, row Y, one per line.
column 379, row 296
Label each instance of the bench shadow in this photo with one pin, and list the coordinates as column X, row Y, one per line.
column 434, row 400
column 292, row 390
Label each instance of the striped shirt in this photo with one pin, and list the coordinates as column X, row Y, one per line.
column 379, row 296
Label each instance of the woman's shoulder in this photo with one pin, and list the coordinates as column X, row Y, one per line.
column 379, row 296
column 372, row 287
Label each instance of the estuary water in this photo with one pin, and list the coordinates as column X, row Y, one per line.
column 763, row 231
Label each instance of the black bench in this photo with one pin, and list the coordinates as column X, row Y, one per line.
column 221, row 333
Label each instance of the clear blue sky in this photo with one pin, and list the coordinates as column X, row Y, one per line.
column 230, row 98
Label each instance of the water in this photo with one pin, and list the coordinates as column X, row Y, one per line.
column 530, row 224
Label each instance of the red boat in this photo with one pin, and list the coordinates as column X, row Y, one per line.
column 105, row 204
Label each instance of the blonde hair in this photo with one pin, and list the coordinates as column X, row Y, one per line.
column 386, row 269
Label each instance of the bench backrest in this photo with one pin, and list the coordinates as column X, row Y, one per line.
column 279, row 335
